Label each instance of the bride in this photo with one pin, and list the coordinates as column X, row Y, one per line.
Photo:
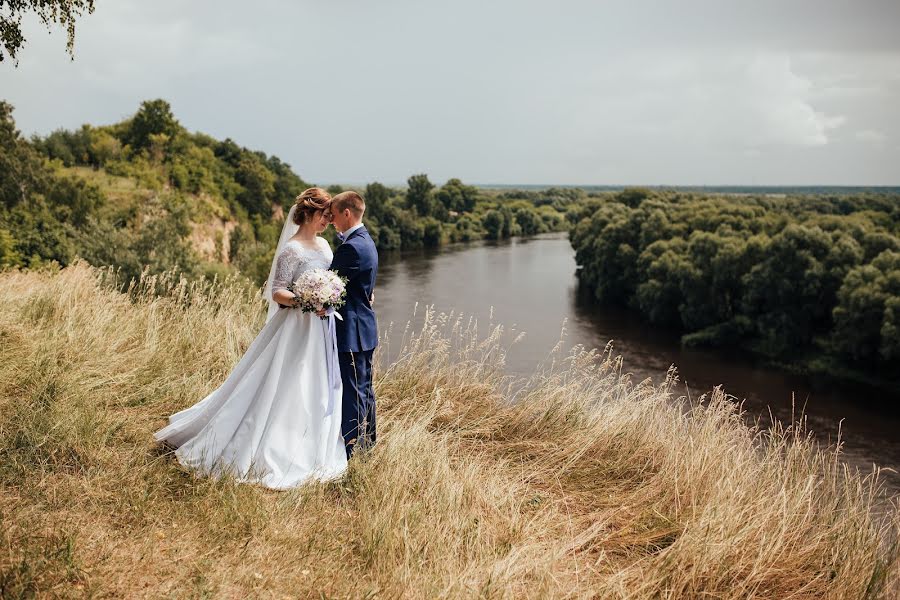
column 276, row 420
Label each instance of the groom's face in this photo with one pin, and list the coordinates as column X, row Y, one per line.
column 341, row 220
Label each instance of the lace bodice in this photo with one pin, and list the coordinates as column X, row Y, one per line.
column 296, row 258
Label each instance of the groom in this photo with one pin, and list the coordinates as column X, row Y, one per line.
column 357, row 335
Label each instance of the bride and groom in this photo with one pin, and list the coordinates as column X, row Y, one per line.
column 300, row 400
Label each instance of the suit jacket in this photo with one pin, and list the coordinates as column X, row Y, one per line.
column 357, row 260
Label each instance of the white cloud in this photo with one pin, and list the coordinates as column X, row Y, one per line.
column 871, row 136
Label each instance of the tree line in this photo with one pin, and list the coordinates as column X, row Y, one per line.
column 132, row 194
column 806, row 279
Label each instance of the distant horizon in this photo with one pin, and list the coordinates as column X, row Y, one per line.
column 619, row 186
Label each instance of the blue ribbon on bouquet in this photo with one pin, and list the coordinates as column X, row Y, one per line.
column 331, row 359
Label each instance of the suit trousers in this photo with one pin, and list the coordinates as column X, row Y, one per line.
column 358, row 416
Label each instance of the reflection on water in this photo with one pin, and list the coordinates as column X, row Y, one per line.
column 530, row 286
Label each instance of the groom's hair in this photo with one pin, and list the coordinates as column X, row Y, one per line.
column 349, row 200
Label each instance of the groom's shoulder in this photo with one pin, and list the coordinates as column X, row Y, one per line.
column 366, row 238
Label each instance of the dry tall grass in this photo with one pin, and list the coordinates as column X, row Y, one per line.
column 586, row 485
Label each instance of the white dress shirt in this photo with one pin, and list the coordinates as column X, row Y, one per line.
column 347, row 233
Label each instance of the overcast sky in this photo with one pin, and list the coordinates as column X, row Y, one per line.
column 588, row 92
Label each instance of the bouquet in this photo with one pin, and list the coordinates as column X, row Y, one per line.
column 319, row 289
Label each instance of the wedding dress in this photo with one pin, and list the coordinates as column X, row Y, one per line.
column 276, row 420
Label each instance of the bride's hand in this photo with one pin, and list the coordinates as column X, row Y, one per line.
column 322, row 313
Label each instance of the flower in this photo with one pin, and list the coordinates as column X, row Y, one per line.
column 319, row 289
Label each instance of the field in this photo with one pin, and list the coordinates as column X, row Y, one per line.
column 578, row 483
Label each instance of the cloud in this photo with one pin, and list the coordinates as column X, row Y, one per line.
column 514, row 92
column 740, row 102
column 870, row 136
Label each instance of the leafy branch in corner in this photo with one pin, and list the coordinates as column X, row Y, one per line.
column 62, row 12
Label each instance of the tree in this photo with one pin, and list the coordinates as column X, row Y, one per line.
column 259, row 185
column 9, row 257
column 104, row 147
column 457, row 196
column 432, row 234
column 62, row 12
column 633, row 197
column 153, row 118
column 419, row 195
column 39, row 236
column 22, row 171
column 493, row 224
column 376, row 197
column 288, row 184
column 74, row 200
column 529, row 221
column 867, row 311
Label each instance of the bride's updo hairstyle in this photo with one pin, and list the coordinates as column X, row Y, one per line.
column 309, row 203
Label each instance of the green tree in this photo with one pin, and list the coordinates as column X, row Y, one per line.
column 528, row 220
column 456, row 196
column 492, row 221
column 866, row 315
column 39, row 236
column 376, row 196
column 419, row 194
column 74, row 200
column 432, row 233
column 162, row 243
column 153, row 118
column 258, row 183
column 633, row 197
column 22, row 171
column 288, row 184
column 104, row 147
column 9, row 256
column 50, row 12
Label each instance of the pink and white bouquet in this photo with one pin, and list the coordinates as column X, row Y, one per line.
column 319, row 289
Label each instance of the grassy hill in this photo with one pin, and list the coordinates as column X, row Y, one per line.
column 585, row 484
column 146, row 193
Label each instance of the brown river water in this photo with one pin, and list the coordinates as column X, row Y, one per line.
column 530, row 285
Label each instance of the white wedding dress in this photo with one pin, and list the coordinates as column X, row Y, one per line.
column 276, row 420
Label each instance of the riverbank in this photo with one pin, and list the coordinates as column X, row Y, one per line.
column 807, row 280
column 586, row 485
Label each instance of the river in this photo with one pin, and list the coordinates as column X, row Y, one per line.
column 530, row 286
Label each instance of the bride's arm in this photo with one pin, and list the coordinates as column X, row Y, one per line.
column 284, row 270
column 284, row 297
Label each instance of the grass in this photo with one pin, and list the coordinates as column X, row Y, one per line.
column 578, row 483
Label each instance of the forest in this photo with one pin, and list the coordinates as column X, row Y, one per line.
column 811, row 281
column 146, row 193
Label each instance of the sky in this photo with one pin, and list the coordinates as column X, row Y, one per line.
column 717, row 92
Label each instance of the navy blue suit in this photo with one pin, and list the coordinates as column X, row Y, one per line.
column 357, row 336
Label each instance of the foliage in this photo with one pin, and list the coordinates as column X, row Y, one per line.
column 146, row 193
column 784, row 276
column 21, row 170
column 419, row 195
column 153, row 122
column 62, row 12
